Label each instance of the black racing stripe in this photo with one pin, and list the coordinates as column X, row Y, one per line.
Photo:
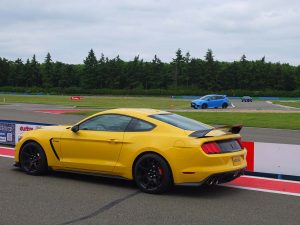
column 53, row 149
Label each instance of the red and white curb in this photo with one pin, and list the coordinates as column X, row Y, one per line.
column 7, row 152
column 285, row 187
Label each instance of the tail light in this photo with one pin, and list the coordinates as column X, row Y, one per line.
column 211, row 148
column 239, row 140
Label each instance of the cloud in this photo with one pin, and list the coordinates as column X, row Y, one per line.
column 69, row 29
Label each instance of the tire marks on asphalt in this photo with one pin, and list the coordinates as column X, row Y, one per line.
column 102, row 209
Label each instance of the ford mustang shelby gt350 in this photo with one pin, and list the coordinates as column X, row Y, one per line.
column 156, row 149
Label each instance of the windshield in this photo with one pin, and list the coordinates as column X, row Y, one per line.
column 180, row 122
column 205, row 97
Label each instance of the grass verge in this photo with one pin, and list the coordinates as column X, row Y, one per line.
column 263, row 120
column 295, row 103
column 99, row 101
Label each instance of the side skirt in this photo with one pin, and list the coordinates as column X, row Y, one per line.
column 92, row 173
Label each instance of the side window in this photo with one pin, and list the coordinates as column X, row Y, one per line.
column 108, row 122
column 139, row 125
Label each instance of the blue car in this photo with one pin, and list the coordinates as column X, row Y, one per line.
column 211, row 101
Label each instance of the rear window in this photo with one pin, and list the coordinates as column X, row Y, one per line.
column 139, row 125
column 180, row 122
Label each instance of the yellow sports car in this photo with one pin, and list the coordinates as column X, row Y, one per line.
column 156, row 149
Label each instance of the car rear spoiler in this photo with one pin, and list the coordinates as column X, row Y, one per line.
column 235, row 129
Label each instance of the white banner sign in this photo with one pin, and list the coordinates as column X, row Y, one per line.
column 21, row 128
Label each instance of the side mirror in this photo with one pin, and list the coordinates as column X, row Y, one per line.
column 75, row 128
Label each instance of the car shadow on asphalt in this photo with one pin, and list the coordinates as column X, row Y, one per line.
column 203, row 191
column 96, row 179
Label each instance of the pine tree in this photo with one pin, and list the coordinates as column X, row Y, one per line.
column 19, row 73
column 47, row 72
column 186, row 72
column 178, row 64
column 243, row 58
column 28, row 74
column 210, row 78
column 4, row 71
column 158, row 78
column 67, row 77
column 209, row 57
column 35, row 70
column 101, row 73
column 90, row 70
column 58, row 70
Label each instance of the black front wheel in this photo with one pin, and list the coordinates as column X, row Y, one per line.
column 33, row 159
column 152, row 174
column 204, row 106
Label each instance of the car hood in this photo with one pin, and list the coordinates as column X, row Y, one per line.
column 198, row 100
column 56, row 128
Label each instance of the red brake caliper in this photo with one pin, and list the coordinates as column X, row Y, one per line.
column 160, row 171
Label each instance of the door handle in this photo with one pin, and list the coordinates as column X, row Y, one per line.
column 112, row 140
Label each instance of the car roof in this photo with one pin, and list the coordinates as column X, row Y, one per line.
column 135, row 111
column 215, row 95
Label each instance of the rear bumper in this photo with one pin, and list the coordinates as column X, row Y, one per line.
column 218, row 178
column 223, row 177
column 195, row 168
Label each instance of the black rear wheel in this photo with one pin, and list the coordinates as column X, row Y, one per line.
column 152, row 174
column 224, row 105
column 33, row 159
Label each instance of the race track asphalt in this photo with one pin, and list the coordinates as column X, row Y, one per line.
column 62, row 198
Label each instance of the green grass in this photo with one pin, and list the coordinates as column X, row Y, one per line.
column 100, row 101
column 263, row 120
column 295, row 103
column 267, row 120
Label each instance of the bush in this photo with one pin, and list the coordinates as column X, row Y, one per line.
column 145, row 92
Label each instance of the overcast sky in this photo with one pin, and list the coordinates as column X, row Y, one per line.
column 68, row 29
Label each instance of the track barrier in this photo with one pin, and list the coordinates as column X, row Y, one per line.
column 273, row 158
column 10, row 130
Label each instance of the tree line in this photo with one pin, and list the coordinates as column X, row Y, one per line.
column 183, row 75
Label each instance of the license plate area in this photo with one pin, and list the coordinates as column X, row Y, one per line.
column 236, row 160
column 229, row 146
